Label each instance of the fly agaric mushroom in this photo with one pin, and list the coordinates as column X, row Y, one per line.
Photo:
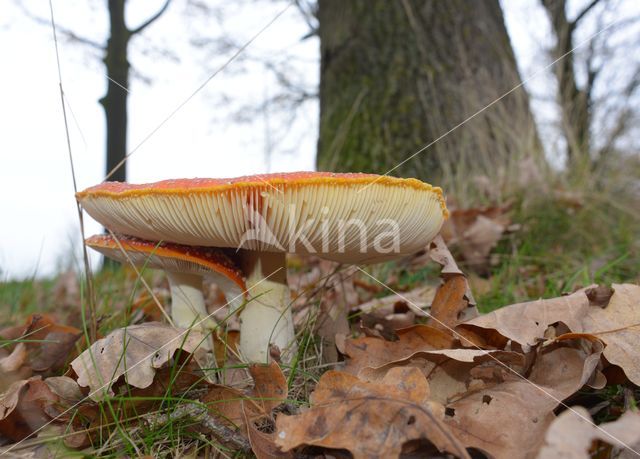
column 185, row 267
column 349, row 218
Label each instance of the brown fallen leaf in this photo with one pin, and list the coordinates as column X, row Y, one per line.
column 509, row 419
column 526, row 323
column 226, row 403
column 135, row 352
column 450, row 303
column 475, row 232
column 371, row 420
column 269, row 386
column 264, row 444
column 23, row 408
column 15, row 360
column 49, row 345
column 339, row 296
column 381, row 317
column 233, row 405
column 14, row 366
column 617, row 324
column 65, row 388
column 572, row 434
column 375, row 352
column 452, row 373
column 439, row 252
column 225, row 345
column 422, row 297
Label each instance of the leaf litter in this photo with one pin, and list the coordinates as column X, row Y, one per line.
column 418, row 374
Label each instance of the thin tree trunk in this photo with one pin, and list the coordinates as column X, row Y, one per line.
column 115, row 101
column 396, row 75
column 574, row 101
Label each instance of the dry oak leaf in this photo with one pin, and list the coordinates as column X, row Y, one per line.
column 263, row 444
column 24, row 408
column 49, row 344
column 450, row 303
column 370, row 419
column 617, row 324
column 135, row 352
column 233, row 405
column 476, row 231
column 15, row 360
column 371, row 352
column 450, row 371
column 65, row 388
column 13, row 366
column 510, row 419
column 382, row 307
column 572, row 434
column 426, row 348
column 381, row 317
column 439, row 252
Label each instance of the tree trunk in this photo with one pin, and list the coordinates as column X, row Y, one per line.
column 397, row 75
column 575, row 102
column 115, row 101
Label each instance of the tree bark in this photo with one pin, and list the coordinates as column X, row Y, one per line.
column 397, row 75
column 575, row 102
column 115, row 101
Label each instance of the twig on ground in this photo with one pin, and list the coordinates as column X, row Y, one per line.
column 199, row 414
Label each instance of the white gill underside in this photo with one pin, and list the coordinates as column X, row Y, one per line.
column 339, row 223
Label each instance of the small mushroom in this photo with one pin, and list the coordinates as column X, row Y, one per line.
column 349, row 218
column 185, row 267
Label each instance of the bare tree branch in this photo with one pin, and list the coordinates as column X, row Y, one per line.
column 68, row 33
column 152, row 19
column 308, row 14
column 583, row 13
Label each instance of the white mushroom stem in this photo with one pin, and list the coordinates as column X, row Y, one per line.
column 266, row 318
column 187, row 305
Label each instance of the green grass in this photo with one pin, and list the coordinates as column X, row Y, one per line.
column 560, row 249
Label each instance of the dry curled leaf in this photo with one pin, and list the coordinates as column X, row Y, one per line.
column 233, row 405
column 617, row 324
column 421, row 297
column 509, row 419
column 439, row 252
column 475, row 232
column 269, row 386
column 450, row 371
column 65, row 388
column 15, row 360
column 135, row 352
column 375, row 352
column 264, row 444
column 369, row 419
column 572, row 434
column 49, row 345
column 24, row 408
column 450, row 303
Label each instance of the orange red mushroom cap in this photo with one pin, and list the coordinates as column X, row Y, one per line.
column 341, row 217
column 207, row 261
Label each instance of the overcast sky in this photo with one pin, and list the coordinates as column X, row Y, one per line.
column 39, row 224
